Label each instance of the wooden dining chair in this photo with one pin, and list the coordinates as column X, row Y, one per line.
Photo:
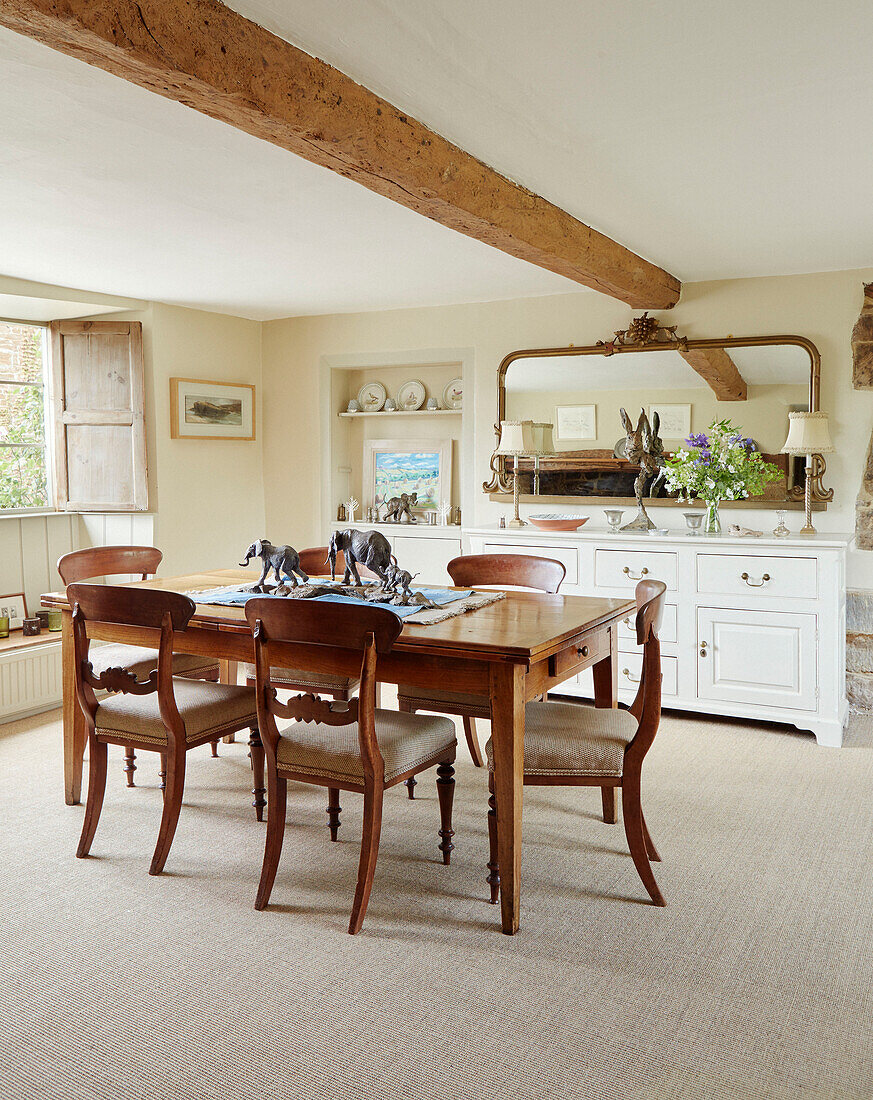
column 570, row 745
column 505, row 571
column 113, row 561
column 162, row 713
column 312, row 562
column 349, row 746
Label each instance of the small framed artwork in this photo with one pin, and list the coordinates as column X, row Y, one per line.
column 396, row 466
column 675, row 420
column 200, row 409
column 576, row 422
column 14, row 608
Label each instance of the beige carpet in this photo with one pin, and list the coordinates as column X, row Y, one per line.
column 755, row 981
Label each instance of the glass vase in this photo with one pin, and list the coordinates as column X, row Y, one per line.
column 712, row 523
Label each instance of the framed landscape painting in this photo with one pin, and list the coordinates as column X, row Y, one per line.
column 396, row 466
column 200, row 409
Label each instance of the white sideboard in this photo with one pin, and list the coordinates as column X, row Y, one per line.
column 753, row 627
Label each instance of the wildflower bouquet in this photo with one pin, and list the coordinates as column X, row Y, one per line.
column 720, row 464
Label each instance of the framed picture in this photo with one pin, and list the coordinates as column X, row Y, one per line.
column 13, row 607
column 396, row 466
column 200, row 409
column 576, row 422
column 675, row 420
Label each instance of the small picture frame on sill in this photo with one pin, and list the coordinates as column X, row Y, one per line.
column 200, row 409
column 14, row 608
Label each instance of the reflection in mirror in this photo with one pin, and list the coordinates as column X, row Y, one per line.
column 582, row 396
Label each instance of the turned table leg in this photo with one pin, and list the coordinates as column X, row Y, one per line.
column 507, row 735
column 73, row 721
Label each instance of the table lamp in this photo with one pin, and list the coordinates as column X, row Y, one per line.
column 808, row 434
column 543, row 445
column 516, row 440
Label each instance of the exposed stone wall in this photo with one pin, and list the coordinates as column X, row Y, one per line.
column 862, row 379
column 859, row 650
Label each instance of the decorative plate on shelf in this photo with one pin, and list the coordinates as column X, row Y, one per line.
column 371, row 397
column 411, row 395
column 555, row 521
column 453, row 394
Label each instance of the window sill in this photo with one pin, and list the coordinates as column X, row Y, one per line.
column 27, row 513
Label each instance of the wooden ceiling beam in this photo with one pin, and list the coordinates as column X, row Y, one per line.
column 208, row 57
column 719, row 371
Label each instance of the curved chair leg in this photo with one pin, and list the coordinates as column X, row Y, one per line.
column 369, row 852
column 607, row 797
column 256, row 752
column 333, row 811
column 493, row 862
column 634, row 828
column 170, row 816
column 277, row 799
column 472, row 740
column 162, row 774
column 129, row 764
column 446, row 795
column 650, row 847
column 97, row 758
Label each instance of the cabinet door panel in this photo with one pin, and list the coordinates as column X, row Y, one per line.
column 759, row 657
column 427, row 557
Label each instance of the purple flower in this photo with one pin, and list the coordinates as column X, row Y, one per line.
column 699, row 440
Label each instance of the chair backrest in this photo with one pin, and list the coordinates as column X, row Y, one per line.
column 143, row 607
column 646, row 706
column 369, row 630
column 109, row 561
column 314, row 559
column 508, row 571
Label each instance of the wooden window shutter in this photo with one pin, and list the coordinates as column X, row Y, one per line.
column 99, row 420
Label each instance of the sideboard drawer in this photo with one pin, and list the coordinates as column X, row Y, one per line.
column 757, row 575
column 669, row 632
column 630, row 667
column 567, row 555
column 623, row 568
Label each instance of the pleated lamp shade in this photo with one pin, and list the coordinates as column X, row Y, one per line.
column 808, row 434
column 543, row 443
column 516, row 437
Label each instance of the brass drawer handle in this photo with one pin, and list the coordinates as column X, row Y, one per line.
column 633, row 576
column 633, row 679
column 703, row 649
column 582, row 650
column 756, row 584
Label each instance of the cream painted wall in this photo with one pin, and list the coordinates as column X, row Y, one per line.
column 206, row 498
column 822, row 307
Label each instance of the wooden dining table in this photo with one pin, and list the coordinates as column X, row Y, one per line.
column 512, row 650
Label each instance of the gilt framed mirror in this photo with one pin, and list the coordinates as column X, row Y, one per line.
column 754, row 381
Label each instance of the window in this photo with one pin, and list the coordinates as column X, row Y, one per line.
column 23, row 457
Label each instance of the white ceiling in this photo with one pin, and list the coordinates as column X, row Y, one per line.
column 719, row 140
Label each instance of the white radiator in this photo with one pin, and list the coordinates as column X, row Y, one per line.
column 30, row 680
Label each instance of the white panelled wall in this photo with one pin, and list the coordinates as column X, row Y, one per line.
column 30, row 545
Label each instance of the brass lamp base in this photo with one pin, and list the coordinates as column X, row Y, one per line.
column 808, row 528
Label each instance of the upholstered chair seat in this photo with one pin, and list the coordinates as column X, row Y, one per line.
column 306, row 680
column 568, row 739
column 204, row 708
column 406, row 741
column 142, row 661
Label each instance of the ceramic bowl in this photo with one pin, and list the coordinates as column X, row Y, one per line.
column 557, row 522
